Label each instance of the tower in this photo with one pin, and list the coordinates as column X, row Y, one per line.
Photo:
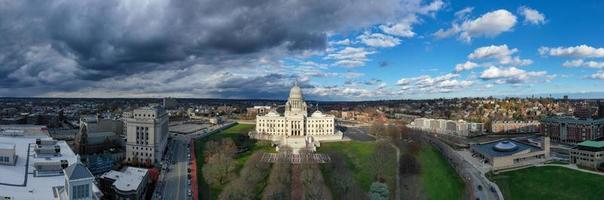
column 295, row 102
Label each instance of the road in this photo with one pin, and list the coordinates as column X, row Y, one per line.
column 360, row 134
column 356, row 133
column 482, row 188
column 175, row 183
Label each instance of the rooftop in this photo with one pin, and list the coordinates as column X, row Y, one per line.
column 128, row 179
column 19, row 181
column 506, row 147
column 77, row 171
column 23, row 130
column 593, row 144
column 7, row 146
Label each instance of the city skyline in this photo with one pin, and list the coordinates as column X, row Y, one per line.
column 337, row 50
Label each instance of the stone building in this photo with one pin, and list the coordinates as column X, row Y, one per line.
column 572, row 130
column 129, row 183
column 295, row 128
column 147, row 135
column 515, row 127
column 97, row 135
column 588, row 154
column 508, row 153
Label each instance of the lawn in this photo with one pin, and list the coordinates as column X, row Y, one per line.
column 233, row 132
column 358, row 155
column 438, row 178
column 549, row 182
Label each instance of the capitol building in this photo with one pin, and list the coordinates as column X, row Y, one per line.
column 295, row 129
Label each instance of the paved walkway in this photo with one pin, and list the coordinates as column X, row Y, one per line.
column 574, row 167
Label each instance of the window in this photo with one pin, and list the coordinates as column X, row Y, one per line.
column 80, row 191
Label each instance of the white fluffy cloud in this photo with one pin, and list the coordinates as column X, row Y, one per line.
column 344, row 42
column 597, row 76
column 583, row 63
column 341, row 91
column 531, row 16
column 401, row 29
column 488, row 25
column 378, row 40
column 502, row 53
column 581, row 51
column 511, row 75
column 468, row 65
column 350, row 56
column 438, row 84
column 493, row 55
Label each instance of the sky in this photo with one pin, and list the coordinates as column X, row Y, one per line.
column 335, row 50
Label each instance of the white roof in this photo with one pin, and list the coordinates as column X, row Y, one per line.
column 317, row 114
column 272, row 113
column 128, row 179
column 13, row 177
column 24, row 130
column 7, row 146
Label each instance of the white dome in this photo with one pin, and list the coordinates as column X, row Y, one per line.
column 505, row 146
column 272, row 113
column 295, row 92
column 317, row 114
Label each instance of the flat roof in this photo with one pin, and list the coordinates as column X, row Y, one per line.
column 19, row 181
column 24, row 130
column 488, row 148
column 128, row 179
column 7, row 146
column 591, row 143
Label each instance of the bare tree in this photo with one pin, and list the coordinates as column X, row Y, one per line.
column 278, row 187
column 247, row 186
column 343, row 184
column 409, row 165
column 393, row 132
column 377, row 128
column 219, row 169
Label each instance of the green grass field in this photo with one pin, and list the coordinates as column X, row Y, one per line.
column 358, row 155
column 438, row 178
column 205, row 192
column 549, row 182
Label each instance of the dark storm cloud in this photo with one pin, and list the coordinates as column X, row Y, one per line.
column 70, row 44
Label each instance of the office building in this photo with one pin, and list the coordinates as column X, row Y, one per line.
column 508, row 153
column 449, row 127
column 147, row 135
column 129, row 183
column 97, row 135
column 589, row 154
column 41, row 166
column 515, row 127
column 572, row 130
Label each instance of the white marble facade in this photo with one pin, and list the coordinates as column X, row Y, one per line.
column 295, row 128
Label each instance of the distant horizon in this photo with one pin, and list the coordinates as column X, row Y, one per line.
column 338, row 51
column 535, row 96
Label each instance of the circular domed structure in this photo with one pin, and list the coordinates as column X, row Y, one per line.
column 317, row 114
column 295, row 92
column 505, row 146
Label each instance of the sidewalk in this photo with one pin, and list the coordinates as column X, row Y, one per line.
column 194, row 187
column 574, row 167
